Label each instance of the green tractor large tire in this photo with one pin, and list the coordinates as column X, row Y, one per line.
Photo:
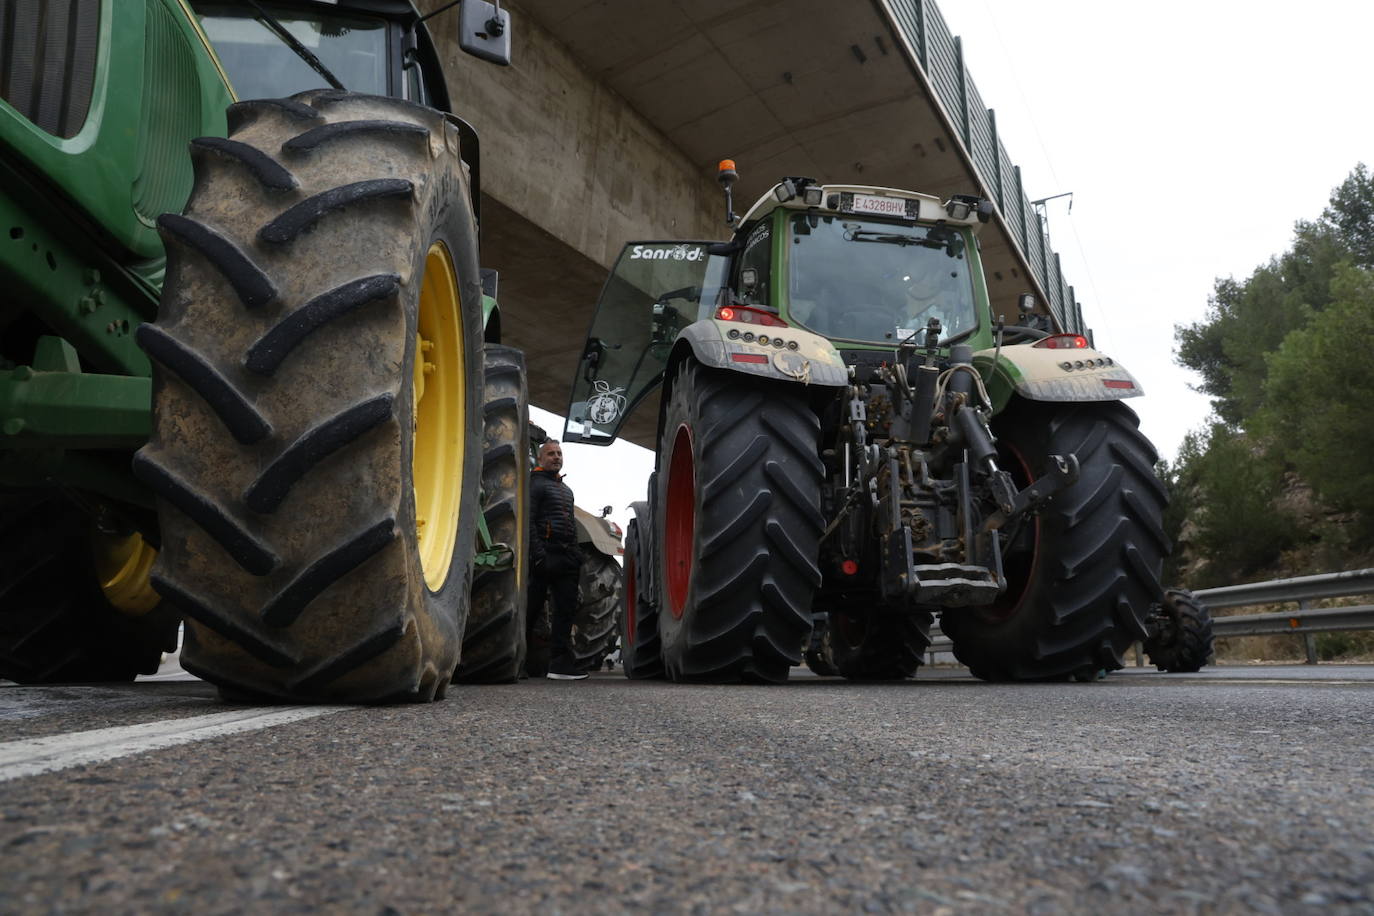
column 739, row 526
column 641, row 650
column 1083, row 574
column 316, row 446
column 56, row 623
column 494, row 641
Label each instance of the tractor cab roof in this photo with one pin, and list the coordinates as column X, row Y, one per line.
column 864, row 200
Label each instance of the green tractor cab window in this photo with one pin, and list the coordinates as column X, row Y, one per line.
column 261, row 65
column 870, row 281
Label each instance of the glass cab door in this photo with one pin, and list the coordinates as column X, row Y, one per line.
column 655, row 290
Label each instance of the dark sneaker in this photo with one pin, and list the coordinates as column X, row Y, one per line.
column 566, row 675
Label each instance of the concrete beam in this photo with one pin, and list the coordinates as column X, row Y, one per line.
column 570, row 173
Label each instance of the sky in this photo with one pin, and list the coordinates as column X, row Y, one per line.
column 1192, row 135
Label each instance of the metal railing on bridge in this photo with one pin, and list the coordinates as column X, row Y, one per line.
column 941, row 56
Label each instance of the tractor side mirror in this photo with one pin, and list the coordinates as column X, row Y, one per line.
column 484, row 31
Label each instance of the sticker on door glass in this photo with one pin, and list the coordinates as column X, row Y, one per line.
column 606, row 405
column 667, row 253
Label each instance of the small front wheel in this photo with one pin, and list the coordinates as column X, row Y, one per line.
column 878, row 645
column 1182, row 638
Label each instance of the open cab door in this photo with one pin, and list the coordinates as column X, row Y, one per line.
column 655, row 290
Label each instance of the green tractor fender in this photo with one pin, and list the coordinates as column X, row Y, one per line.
column 786, row 354
column 1044, row 374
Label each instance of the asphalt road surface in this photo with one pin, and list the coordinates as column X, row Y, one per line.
column 1238, row 790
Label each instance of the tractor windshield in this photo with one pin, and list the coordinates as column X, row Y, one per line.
column 260, row 65
column 877, row 282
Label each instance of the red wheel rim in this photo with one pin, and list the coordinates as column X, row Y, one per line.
column 1019, row 568
column 679, row 524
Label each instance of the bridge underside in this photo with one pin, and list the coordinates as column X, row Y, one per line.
column 794, row 87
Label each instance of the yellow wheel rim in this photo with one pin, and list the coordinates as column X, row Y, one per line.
column 122, row 563
column 440, row 415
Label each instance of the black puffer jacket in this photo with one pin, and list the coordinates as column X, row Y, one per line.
column 553, row 532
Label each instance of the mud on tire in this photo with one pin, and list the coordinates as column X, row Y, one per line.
column 1083, row 574
column 494, row 641
column 738, row 526
column 317, row 399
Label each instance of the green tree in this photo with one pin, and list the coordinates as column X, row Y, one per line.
column 1231, row 489
column 1245, row 320
column 1352, row 215
column 1319, row 397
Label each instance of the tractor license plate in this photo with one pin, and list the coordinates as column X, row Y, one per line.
column 883, row 206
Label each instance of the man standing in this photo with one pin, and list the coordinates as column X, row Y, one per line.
column 555, row 557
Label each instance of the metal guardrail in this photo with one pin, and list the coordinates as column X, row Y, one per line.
column 1305, row 621
column 1303, row 588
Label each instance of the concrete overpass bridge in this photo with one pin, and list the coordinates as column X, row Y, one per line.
column 610, row 122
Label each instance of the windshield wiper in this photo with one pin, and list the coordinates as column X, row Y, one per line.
column 893, row 238
column 301, row 50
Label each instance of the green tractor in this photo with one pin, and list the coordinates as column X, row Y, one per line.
column 848, row 430
column 248, row 388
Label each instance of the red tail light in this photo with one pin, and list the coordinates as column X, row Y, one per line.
column 849, row 567
column 1062, row 342
column 748, row 315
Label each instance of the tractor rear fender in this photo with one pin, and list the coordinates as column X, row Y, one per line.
column 1041, row 374
column 802, row 357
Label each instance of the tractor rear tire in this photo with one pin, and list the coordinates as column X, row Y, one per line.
column 1182, row 640
column 739, row 525
column 494, row 641
column 600, row 583
column 56, row 625
column 1083, row 573
column 317, row 401
column 878, row 645
column 641, row 650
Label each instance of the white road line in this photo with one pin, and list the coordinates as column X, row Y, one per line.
column 31, row 756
